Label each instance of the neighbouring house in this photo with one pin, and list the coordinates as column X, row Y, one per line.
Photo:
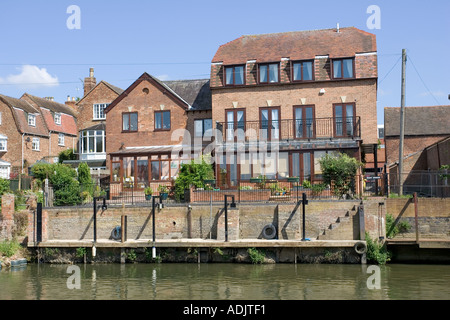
column 61, row 124
column 426, row 148
column 24, row 136
column 303, row 94
column 91, row 119
column 150, row 124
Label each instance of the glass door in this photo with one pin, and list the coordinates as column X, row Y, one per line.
column 304, row 122
column 270, row 123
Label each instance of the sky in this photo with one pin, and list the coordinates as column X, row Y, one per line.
column 47, row 47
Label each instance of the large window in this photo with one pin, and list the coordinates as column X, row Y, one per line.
column 302, row 71
column 269, row 73
column 162, row 120
column 99, row 111
column 93, row 141
column 270, row 123
column 234, row 75
column 201, row 126
column 130, row 122
column 301, row 165
column 343, row 68
column 235, row 126
column 304, row 122
column 344, row 119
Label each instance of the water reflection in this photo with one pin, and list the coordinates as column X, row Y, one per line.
column 226, row 282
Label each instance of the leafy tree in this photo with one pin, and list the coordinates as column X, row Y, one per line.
column 193, row 173
column 84, row 178
column 66, row 187
column 4, row 186
column 67, row 155
column 339, row 171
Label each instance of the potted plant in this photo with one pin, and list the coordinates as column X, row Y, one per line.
column 163, row 191
column 148, row 193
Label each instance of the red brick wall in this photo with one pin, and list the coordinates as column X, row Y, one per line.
column 364, row 92
column 145, row 105
column 411, row 144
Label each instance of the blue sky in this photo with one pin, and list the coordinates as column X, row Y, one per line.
column 175, row 39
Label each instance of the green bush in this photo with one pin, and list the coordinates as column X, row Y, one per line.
column 377, row 252
column 256, row 256
column 8, row 248
column 339, row 170
column 192, row 174
column 392, row 228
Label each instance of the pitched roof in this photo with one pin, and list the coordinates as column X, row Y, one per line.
column 20, row 110
column 434, row 120
column 178, row 91
column 117, row 90
column 49, row 104
column 296, row 45
column 196, row 93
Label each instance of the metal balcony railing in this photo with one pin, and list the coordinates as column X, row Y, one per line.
column 290, row 129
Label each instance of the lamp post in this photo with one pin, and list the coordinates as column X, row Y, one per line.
column 232, row 205
column 160, row 205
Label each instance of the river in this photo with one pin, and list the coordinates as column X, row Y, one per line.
column 218, row 281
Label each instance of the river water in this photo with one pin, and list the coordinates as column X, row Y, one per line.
column 218, row 281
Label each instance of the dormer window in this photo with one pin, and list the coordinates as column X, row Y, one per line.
column 302, row 71
column 234, row 75
column 32, row 120
column 57, row 118
column 343, row 68
column 3, row 143
column 269, row 73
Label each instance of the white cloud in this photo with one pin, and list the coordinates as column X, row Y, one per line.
column 31, row 76
column 434, row 93
column 163, row 77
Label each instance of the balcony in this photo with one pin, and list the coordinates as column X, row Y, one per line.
column 289, row 129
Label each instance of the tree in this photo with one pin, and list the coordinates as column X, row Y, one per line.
column 193, row 174
column 339, row 171
column 66, row 155
column 66, row 187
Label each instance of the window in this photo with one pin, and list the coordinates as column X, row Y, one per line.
column 32, row 120
column 304, row 122
column 93, row 141
column 344, row 120
column 57, row 118
column 234, row 75
column 3, row 145
column 201, row 126
column 343, row 68
column 0, row 118
column 235, row 125
column 301, row 165
column 35, row 146
column 99, row 111
column 270, row 123
column 162, row 120
column 268, row 73
column 130, row 122
column 61, row 139
column 302, row 71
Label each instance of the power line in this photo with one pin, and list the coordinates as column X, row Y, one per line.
column 423, row 82
column 399, row 59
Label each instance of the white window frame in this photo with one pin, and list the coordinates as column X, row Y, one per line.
column 61, row 138
column 57, row 118
column 89, row 136
column 32, row 120
column 0, row 118
column 98, row 111
column 3, row 145
column 36, row 144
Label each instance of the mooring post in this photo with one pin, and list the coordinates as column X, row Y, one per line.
column 416, row 216
column 304, row 203
column 362, row 227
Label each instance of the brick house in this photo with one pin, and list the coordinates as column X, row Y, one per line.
column 92, row 121
column 425, row 146
column 61, row 124
column 24, row 136
column 149, row 125
column 303, row 94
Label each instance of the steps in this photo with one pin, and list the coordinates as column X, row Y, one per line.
column 341, row 229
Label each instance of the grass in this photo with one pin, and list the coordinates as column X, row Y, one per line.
column 9, row 248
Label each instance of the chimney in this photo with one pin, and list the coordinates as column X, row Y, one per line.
column 89, row 83
column 72, row 103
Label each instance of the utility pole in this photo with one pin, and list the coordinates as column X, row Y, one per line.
column 402, row 124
